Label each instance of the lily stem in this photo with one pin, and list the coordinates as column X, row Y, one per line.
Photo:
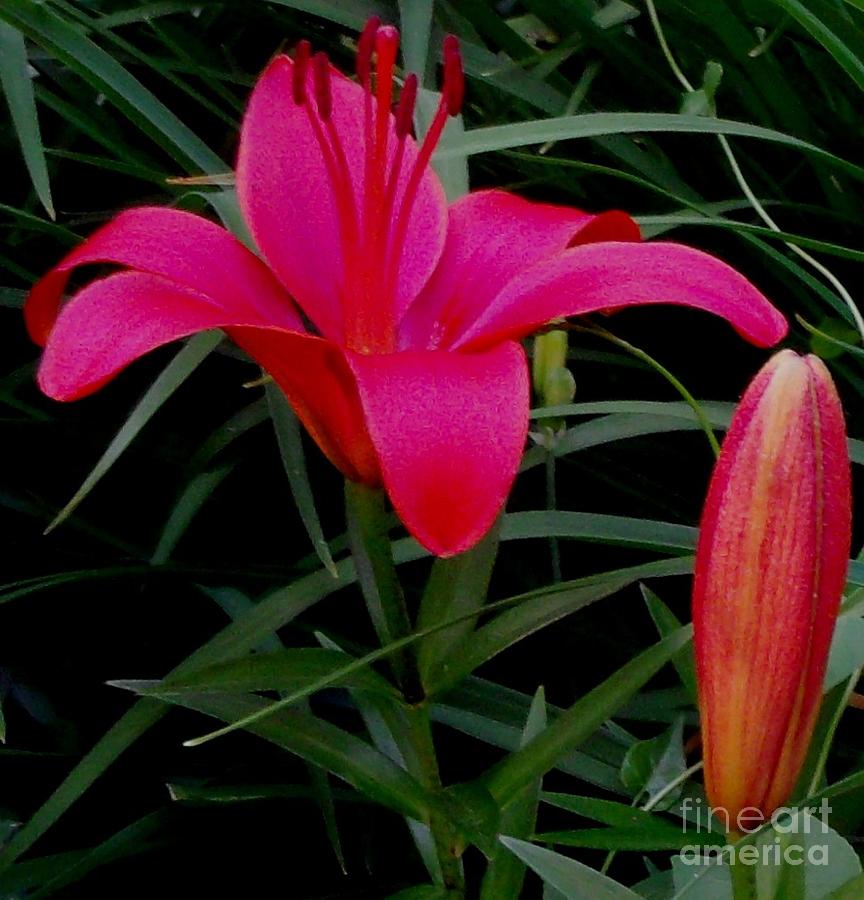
column 443, row 833
column 368, row 532
column 551, row 503
column 743, row 878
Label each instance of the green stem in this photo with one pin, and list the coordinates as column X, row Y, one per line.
column 443, row 833
column 691, row 401
column 368, row 532
column 368, row 527
column 551, row 503
column 743, row 879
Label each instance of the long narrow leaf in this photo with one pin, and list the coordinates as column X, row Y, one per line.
column 51, row 31
column 290, row 443
column 18, row 87
column 174, row 374
column 581, row 720
column 592, row 125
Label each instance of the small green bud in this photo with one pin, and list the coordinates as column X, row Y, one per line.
column 550, row 352
column 560, row 387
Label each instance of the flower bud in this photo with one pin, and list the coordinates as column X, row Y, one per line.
column 770, row 569
column 550, row 352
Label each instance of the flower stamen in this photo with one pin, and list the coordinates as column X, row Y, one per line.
column 452, row 96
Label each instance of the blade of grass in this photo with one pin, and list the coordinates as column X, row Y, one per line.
column 851, row 63
column 18, row 87
column 194, row 496
column 174, row 374
column 592, row 125
column 580, row 721
column 63, row 39
column 290, row 441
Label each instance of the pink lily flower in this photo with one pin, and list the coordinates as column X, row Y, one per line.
column 404, row 364
column 770, row 570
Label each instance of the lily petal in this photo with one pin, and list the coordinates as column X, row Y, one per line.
column 187, row 249
column 288, row 196
column 491, row 237
column 449, row 429
column 113, row 321
column 320, row 385
column 613, row 275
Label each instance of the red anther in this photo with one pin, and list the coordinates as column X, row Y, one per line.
column 365, row 49
column 405, row 108
column 301, row 64
column 321, row 77
column 386, row 47
column 453, row 87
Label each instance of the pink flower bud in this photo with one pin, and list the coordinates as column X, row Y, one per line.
column 770, row 568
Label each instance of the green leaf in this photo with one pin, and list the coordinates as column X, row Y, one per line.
column 171, row 377
column 279, row 670
column 12, row 298
column 847, row 650
column 494, row 714
column 143, row 12
column 844, row 56
column 194, row 496
column 667, row 622
column 529, row 616
column 123, row 734
column 369, row 524
column 452, row 169
column 423, row 892
column 325, row 745
column 641, row 533
column 388, row 727
column 290, row 441
column 506, row 872
column 718, row 414
column 243, row 421
column 18, row 87
column 651, row 765
column 35, row 223
column 455, row 586
column 608, row 812
column 415, row 18
column 695, row 881
column 570, row 878
column 800, row 856
column 851, row 890
column 607, row 430
column 353, row 15
column 833, row 337
column 66, row 41
column 580, row 721
column 137, row 838
column 834, row 704
column 658, row 836
column 241, row 636
column 205, row 794
column 592, row 125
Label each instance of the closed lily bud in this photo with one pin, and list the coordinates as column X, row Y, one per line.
column 550, row 354
column 770, row 569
